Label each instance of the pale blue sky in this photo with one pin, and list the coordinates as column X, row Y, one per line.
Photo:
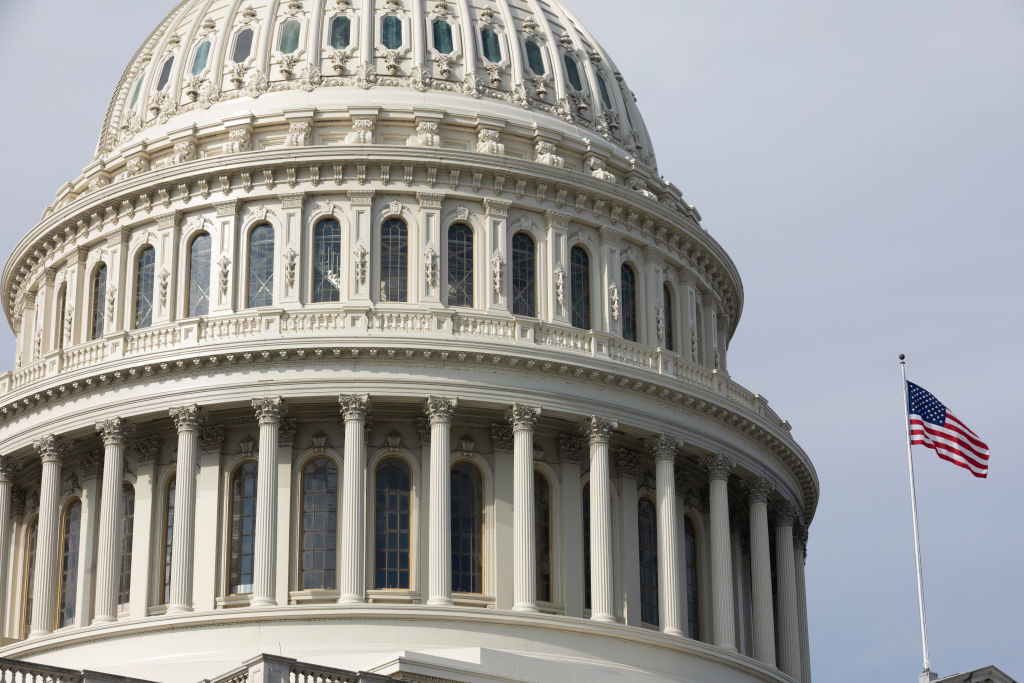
column 860, row 161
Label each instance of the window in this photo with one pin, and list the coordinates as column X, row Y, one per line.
column 327, row 261
column 586, row 545
column 168, row 539
column 460, row 265
column 524, row 275
column 145, row 276
column 692, row 595
column 492, row 48
column 670, row 323
column 467, row 529
column 199, row 275
column 648, row 533
column 58, row 327
column 261, row 267
column 534, row 58
column 605, row 96
column 290, row 31
column 30, row 576
column 572, row 72
column 341, row 31
column 443, row 37
column 319, row 525
column 124, row 583
column 580, row 288
column 99, row 293
column 391, row 32
column 394, row 261
column 243, row 528
column 136, row 91
column 628, row 303
column 165, row 74
column 542, row 531
column 699, row 332
column 71, row 528
column 392, row 524
column 243, row 46
column 202, row 56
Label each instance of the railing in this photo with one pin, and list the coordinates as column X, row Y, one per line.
column 275, row 669
column 13, row 671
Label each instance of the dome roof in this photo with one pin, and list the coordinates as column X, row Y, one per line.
column 530, row 61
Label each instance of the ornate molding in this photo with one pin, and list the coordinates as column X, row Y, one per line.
column 501, row 436
column 90, row 464
column 598, row 430
column 354, row 407
column 627, row 463
column 51, row 448
column 187, row 418
column 663, row 447
column 116, row 431
column 7, row 468
column 286, row 432
column 147, row 449
column 759, row 489
column 718, row 467
column 784, row 513
column 211, row 437
column 440, row 409
column 269, row 410
column 570, row 448
column 523, row 416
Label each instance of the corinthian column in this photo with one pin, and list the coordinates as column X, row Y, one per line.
column 799, row 557
column 759, row 489
column 186, row 421
column 723, row 619
column 6, row 484
column 353, row 500
column 115, row 433
column 439, row 410
column 44, row 603
column 602, row 579
column 785, row 576
column 269, row 412
column 523, row 419
column 669, row 598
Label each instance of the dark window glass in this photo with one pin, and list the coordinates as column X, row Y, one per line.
column 136, row 91
column 392, row 523
column 243, row 46
column 394, row 261
column 628, row 303
column 99, row 294
column 341, row 30
column 492, row 48
column 467, row 529
column 327, row 261
column 534, row 58
column 168, row 539
column 524, row 275
column 586, row 545
column 30, row 577
column 572, row 72
column 692, row 599
column 58, row 327
column 124, row 584
column 70, row 536
column 319, row 525
column 648, row 562
column 605, row 96
column 165, row 74
column 261, row 267
column 670, row 322
column 243, row 528
column 199, row 275
column 699, row 333
column 145, row 278
column 202, row 56
column 580, row 283
column 460, row 265
column 443, row 37
column 290, row 31
column 391, row 32
column 542, row 532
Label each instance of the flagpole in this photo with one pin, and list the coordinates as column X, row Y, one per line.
column 926, row 674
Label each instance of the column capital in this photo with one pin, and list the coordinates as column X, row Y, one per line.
column 211, row 437
column 147, row 449
column 187, row 418
column 570, row 448
column 627, row 462
column 7, row 469
column 269, row 410
column 800, row 536
column 501, row 435
column 598, row 429
column 523, row 416
column 51, row 448
column 91, row 464
column 354, row 406
column 286, row 433
column 115, row 431
column 663, row 447
column 440, row 409
column 759, row 489
column 784, row 513
column 718, row 467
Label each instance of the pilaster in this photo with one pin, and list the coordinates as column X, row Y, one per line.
column 224, row 258
column 498, row 257
column 360, row 246
column 147, row 456
column 289, row 247
column 571, row 450
column 431, row 252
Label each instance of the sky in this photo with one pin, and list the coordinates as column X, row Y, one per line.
column 859, row 160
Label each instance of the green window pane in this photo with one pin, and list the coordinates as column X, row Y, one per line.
column 492, row 48
column 391, row 32
column 290, row 37
column 202, row 56
column 534, row 58
column 443, row 37
column 341, row 30
column 572, row 72
column 135, row 93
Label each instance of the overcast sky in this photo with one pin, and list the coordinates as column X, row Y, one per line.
column 859, row 160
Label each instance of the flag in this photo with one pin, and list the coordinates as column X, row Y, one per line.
column 932, row 425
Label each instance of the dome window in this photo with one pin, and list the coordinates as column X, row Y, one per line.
column 572, row 72
column 290, row 37
column 605, row 96
column 135, row 92
column 165, row 74
column 443, row 37
column 492, row 48
column 391, row 32
column 534, row 58
column 243, row 46
column 341, row 32
column 201, row 58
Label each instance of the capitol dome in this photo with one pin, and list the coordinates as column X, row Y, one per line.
column 372, row 346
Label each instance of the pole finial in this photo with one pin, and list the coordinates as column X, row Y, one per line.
column 902, row 358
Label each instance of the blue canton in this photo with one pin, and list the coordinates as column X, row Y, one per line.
column 927, row 406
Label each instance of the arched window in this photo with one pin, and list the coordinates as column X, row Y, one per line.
column 124, row 583
column 327, row 261
column 460, row 265
column 628, row 303
column 341, row 32
column 670, row 318
column 168, row 539
column 202, row 56
column 534, row 58
column 31, row 535
column 467, row 529
column 243, row 528
column 394, row 260
column 71, row 527
column 58, row 324
column 524, row 275
column 572, row 72
column 319, row 525
column 579, row 282
column 605, row 95
column 492, row 48
column 261, row 267
column 648, row 535
column 165, row 74
column 199, row 275
column 136, row 91
column 99, row 294
column 145, row 279
column 391, row 32
column 243, row 46
column 290, row 31
column 586, row 545
column 443, row 42
column 692, row 594
column 542, row 531
column 392, row 524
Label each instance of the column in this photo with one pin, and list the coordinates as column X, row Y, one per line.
column 89, row 467
column 6, row 484
column 570, row 452
column 286, row 443
column 722, row 616
column 269, row 412
column 439, row 410
column 147, row 453
column 627, row 468
column 523, row 419
column 186, row 421
column 669, row 595
column 353, row 500
column 115, row 433
column 800, row 556
column 602, row 579
column 758, row 490
column 51, row 451
column 785, row 577
column 504, row 494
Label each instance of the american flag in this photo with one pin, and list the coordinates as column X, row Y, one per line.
column 932, row 425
